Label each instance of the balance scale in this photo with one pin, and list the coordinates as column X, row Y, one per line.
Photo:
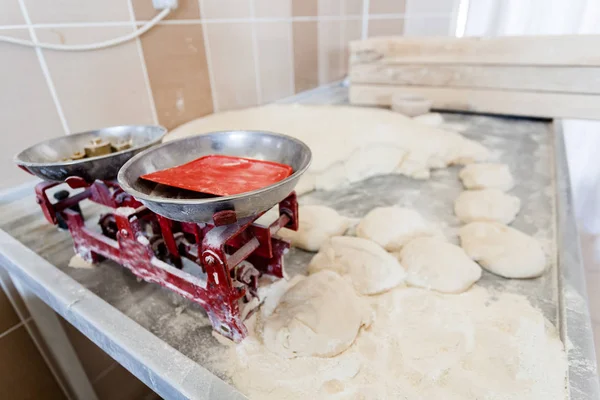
column 190, row 243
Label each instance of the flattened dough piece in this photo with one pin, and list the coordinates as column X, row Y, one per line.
column 318, row 316
column 371, row 269
column 392, row 227
column 431, row 263
column 486, row 205
column 317, row 224
column 487, row 176
column 503, row 250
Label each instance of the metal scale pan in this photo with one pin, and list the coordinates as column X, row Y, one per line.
column 181, row 205
column 44, row 159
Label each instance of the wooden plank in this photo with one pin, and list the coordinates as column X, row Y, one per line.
column 577, row 50
column 534, row 104
column 543, row 78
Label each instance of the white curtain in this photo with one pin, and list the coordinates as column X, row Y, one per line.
column 550, row 17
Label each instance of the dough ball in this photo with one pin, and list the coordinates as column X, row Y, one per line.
column 431, row 119
column 319, row 316
column 487, row 176
column 503, row 250
column 371, row 269
column 431, row 263
column 486, row 205
column 316, row 225
column 391, row 227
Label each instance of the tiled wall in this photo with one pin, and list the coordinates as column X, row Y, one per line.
column 24, row 373
column 209, row 55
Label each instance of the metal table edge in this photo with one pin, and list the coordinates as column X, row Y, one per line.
column 575, row 322
column 135, row 348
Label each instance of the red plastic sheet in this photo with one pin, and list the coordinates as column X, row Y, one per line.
column 222, row 175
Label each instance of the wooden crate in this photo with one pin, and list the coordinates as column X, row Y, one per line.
column 542, row 76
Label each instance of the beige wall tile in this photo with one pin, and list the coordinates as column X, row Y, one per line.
column 352, row 7
column 23, row 373
column 44, row 11
column 98, row 88
column 387, row 6
column 225, row 8
column 428, row 7
column 330, row 51
column 8, row 316
column 181, row 85
column 386, row 27
column 186, row 9
column 305, row 8
column 306, row 55
column 416, row 26
column 120, row 384
column 272, row 8
column 329, row 8
column 27, row 111
column 275, row 60
column 232, row 65
column 11, row 13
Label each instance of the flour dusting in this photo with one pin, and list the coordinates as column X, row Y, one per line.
column 420, row 345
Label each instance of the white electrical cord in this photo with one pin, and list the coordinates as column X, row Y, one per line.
column 92, row 46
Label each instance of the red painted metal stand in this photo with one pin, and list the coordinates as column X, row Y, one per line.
column 155, row 248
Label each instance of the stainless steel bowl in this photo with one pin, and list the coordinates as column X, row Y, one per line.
column 181, row 205
column 44, row 159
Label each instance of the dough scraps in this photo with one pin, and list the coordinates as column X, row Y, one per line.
column 431, row 263
column 316, row 225
column 420, row 345
column 487, row 176
column 349, row 143
column 486, row 205
column 392, row 227
column 318, row 316
column 371, row 269
column 503, row 250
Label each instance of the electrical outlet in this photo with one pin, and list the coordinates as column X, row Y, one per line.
column 162, row 4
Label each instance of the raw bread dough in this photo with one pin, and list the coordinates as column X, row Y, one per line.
column 486, row 205
column 431, row 119
column 421, row 345
column 487, row 176
column 503, row 250
column 318, row 316
column 316, row 225
column 349, row 143
column 371, row 269
column 392, row 227
column 431, row 263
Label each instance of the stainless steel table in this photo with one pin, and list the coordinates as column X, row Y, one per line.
column 166, row 341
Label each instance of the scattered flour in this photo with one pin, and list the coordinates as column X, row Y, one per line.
column 420, row 345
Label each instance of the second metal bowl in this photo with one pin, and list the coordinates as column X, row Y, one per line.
column 45, row 158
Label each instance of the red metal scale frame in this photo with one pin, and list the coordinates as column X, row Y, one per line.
column 154, row 247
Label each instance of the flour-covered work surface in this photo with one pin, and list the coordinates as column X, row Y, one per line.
column 495, row 340
column 405, row 329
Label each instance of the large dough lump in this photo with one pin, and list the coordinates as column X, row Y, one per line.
column 316, row 225
column 431, row 263
column 486, row 205
column 349, row 143
column 503, row 250
column 392, row 227
column 487, row 176
column 371, row 269
column 319, row 316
